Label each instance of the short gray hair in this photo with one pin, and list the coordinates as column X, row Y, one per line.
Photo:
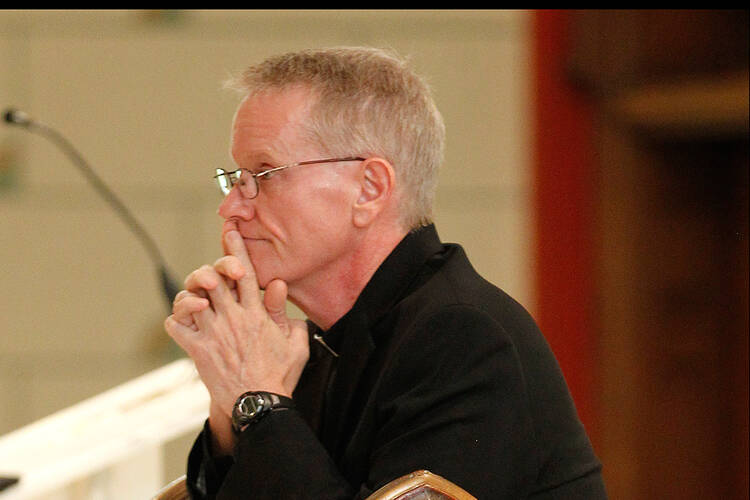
column 369, row 103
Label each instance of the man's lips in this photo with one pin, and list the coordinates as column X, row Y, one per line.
column 247, row 233
column 249, row 237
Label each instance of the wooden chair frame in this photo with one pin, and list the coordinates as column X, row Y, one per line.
column 419, row 485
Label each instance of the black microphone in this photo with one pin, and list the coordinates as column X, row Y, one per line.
column 21, row 119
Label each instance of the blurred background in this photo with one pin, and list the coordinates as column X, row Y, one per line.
column 596, row 169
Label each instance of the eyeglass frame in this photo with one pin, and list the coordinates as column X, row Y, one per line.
column 221, row 172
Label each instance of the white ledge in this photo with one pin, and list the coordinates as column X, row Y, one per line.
column 106, row 430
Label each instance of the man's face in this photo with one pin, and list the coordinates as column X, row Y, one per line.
column 299, row 226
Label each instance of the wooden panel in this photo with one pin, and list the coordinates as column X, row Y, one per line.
column 621, row 48
column 671, row 90
column 670, row 108
column 673, row 262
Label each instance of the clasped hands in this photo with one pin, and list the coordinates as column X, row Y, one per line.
column 239, row 339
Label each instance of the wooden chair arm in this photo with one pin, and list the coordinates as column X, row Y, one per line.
column 421, row 485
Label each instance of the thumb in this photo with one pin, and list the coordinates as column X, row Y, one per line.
column 275, row 302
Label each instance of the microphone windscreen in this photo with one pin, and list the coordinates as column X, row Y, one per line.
column 16, row 117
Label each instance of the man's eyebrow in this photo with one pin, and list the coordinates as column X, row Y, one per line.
column 252, row 160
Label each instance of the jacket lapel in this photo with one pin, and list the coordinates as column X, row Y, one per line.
column 353, row 337
column 356, row 348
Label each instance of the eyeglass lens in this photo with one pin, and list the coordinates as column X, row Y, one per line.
column 227, row 180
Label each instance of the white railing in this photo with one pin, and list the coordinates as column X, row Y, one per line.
column 108, row 447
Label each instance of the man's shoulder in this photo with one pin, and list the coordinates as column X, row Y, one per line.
column 456, row 313
column 454, row 287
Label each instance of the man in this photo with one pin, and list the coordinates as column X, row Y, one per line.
column 409, row 360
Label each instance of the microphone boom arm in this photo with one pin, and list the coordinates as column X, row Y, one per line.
column 21, row 119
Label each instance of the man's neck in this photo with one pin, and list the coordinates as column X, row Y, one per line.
column 328, row 296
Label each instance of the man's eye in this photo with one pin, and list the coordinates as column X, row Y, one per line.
column 265, row 175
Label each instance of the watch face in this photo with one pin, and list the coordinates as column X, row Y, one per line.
column 250, row 405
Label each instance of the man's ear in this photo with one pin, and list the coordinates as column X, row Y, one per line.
column 377, row 182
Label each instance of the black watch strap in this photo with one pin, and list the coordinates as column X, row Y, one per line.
column 251, row 406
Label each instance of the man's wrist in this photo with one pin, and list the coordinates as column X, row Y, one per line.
column 223, row 439
column 252, row 406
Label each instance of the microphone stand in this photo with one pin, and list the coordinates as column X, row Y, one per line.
column 19, row 118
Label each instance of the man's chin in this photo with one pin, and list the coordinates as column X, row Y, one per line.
column 261, row 276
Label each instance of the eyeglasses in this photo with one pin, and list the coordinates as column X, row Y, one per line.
column 227, row 179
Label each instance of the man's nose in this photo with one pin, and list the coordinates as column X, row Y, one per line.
column 236, row 205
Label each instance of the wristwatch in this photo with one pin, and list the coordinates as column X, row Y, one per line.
column 252, row 406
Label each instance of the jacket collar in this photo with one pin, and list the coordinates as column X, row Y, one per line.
column 390, row 283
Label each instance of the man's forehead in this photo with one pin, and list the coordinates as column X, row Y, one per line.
column 267, row 125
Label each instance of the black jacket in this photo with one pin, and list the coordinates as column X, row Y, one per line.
column 438, row 370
